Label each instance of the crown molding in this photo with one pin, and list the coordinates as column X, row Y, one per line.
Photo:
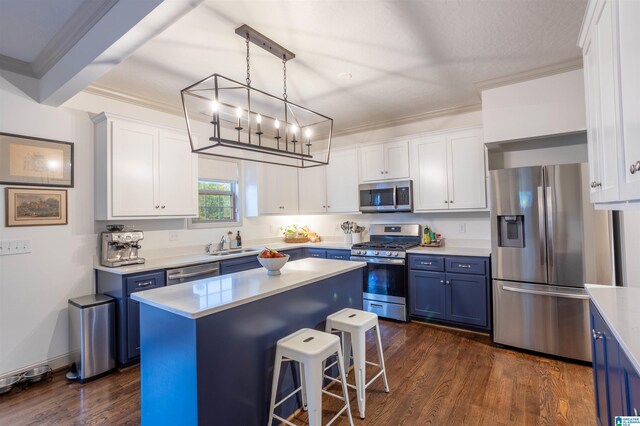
column 570, row 65
column 409, row 119
column 83, row 19
column 17, row 66
column 106, row 92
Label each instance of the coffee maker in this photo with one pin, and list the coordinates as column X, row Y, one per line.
column 119, row 247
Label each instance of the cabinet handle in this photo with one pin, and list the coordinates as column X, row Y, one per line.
column 381, row 172
column 145, row 283
column 328, row 207
column 163, row 207
column 460, row 265
column 595, row 184
column 635, row 412
column 450, row 201
column 635, row 167
column 597, row 335
column 448, row 282
column 376, row 305
column 426, row 263
column 441, row 281
column 157, row 207
column 446, row 202
column 386, row 172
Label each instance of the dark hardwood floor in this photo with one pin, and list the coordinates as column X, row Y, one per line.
column 438, row 376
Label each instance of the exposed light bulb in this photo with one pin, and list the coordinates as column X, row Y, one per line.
column 239, row 112
column 294, row 129
column 258, row 119
column 276, row 124
column 308, row 133
column 214, row 106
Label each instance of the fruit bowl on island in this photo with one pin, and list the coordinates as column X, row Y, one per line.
column 272, row 260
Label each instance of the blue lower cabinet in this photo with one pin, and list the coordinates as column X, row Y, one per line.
column 238, row 264
column 427, row 294
column 467, row 297
column 631, row 387
column 121, row 287
column 608, row 376
column 314, row 252
column 294, row 254
column 460, row 299
column 339, row 254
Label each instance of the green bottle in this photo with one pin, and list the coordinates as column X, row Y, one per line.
column 426, row 235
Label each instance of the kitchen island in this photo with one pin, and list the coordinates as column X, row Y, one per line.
column 208, row 346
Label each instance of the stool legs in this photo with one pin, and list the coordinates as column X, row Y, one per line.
column 343, row 379
column 360, row 368
column 381, row 358
column 303, row 383
column 346, row 351
column 274, row 385
column 313, row 380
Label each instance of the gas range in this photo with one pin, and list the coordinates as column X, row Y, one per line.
column 385, row 286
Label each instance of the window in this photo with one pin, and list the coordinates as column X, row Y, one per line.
column 217, row 202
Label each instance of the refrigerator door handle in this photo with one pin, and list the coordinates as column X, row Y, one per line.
column 551, row 265
column 542, row 225
column 546, row 293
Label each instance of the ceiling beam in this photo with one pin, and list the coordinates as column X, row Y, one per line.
column 104, row 39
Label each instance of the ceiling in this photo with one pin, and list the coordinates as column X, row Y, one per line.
column 405, row 57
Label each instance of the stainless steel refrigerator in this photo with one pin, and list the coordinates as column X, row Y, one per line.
column 547, row 242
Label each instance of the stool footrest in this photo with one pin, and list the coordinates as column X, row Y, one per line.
column 326, row 392
column 288, row 396
column 285, row 421
column 331, row 365
column 338, row 414
column 373, row 378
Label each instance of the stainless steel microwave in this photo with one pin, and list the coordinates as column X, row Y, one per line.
column 386, row 197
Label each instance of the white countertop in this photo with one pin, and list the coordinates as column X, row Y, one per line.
column 451, row 251
column 199, row 298
column 620, row 308
column 178, row 261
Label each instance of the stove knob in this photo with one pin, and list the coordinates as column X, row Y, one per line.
column 375, row 253
column 396, row 254
column 388, row 253
column 362, row 252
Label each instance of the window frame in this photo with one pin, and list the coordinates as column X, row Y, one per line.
column 195, row 223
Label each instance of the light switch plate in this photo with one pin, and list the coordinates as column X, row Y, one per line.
column 9, row 247
column 173, row 236
column 463, row 228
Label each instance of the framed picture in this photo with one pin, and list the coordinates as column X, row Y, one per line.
column 36, row 206
column 35, row 162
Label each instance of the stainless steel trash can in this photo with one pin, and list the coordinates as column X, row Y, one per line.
column 92, row 339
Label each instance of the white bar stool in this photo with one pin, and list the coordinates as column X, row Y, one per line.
column 310, row 348
column 354, row 324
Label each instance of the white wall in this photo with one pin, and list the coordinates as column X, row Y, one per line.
column 631, row 247
column 34, row 288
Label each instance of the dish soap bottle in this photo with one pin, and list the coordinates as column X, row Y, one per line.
column 426, row 235
column 239, row 239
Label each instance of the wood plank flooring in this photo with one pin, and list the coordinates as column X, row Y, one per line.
column 437, row 376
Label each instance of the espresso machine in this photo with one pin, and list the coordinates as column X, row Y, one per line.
column 119, row 247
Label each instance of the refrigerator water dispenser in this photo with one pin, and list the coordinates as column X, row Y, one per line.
column 511, row 231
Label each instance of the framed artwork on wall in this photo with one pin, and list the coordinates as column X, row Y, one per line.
column 36, row 206
column 36, row 162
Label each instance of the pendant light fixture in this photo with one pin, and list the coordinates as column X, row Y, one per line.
column 226, row 118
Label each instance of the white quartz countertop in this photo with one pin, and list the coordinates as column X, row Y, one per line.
column 172, row 261
column 199, row 298
column 451, row 251
column 620, row 308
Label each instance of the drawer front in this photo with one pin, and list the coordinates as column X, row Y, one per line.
column 294, row 254
column 466, row 265
column 339, row 254
column 231, row 267
column 311, row 252
column 427, row 263
column 144, row 282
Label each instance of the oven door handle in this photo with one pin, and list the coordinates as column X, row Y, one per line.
column 378, row 260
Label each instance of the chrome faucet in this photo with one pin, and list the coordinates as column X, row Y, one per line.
column 221, row 244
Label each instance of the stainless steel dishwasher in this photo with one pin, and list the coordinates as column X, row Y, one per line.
column 192, row 273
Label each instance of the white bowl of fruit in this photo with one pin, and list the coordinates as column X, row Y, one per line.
column 272, row 260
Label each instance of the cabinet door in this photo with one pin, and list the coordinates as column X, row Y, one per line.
column 278, row 188
column 177, row 176
column 396, row 159
column 339, row 254
column 631, row 387
column 429, row 173
column 427, row 294
column 312, row 190
column 603, row 42
column 133, row 328
column 321, row 253
column 592, row 100
column 371, row 163
column 342, row 182
column 467, row 299
column 629, row 30
column 466, row 171
column 133, row 169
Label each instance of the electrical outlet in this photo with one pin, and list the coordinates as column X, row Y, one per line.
column 173, row 236
column 462, row 228
column 15, row 247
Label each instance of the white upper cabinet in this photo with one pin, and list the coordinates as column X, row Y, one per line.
column 142, row 170
column 342, row 181
column 610, row 42
column 312, row 190
column 629, row 16
column 384, row 161
column 448, row 171
column 270, row 189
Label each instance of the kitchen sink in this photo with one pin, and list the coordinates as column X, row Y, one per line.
column 234, row 251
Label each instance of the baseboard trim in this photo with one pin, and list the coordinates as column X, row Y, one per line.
column 57, row 363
